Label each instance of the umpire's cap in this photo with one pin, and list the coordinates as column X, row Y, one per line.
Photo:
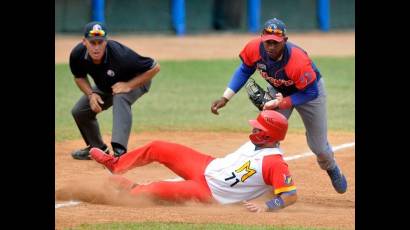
column 95, row 31
column 274, row 29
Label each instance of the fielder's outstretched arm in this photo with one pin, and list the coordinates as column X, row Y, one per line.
column 239, row 78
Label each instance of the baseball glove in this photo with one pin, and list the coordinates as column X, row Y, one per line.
column 256, row 94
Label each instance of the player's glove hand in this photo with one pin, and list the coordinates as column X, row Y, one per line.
column 256, row 94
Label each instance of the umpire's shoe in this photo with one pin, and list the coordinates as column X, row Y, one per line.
column 118, row 152
column 118, row 149
column 84, row 154
column 338, row 179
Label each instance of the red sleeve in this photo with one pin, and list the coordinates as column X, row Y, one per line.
column 250, row 53
column 276, row 173
column 299, row 69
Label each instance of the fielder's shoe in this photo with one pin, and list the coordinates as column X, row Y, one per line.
column 121, row 183
column 84, row 154
column 338, row 179
column 105, row 159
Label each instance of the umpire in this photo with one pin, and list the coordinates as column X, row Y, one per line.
column 121, row 76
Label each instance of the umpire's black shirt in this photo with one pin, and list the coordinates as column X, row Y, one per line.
column 120, row 63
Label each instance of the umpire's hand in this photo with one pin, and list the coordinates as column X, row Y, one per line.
column 121, row 87
column 95, row 101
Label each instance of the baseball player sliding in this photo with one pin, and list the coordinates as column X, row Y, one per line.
column 294, row 82
column 255, row 168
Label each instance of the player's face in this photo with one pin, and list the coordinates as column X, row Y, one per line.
column 274, row 48
column 257, row 137
column 95, row 48
column 255, row 130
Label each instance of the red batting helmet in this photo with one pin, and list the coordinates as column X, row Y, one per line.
column 273, row 125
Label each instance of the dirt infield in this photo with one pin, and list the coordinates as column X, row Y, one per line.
column 211, row 46
column 318, row 205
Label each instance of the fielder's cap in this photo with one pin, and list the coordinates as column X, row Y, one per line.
column 273, row 29
column 95, row 31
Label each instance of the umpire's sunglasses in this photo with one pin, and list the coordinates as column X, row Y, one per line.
column 96, row 33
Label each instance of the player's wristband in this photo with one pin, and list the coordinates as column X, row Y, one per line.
column 275, row 204
column 286, row 103
column 228, row 94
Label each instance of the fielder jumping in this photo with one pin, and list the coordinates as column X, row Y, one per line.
column 255, row 168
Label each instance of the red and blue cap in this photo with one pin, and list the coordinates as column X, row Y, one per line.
column 273, row 29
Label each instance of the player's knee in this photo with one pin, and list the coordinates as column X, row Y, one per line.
column 325, row 161
column 156, row 144
column 160, row 147
column 121, row 98
column 319, row 148
column 76, row 113
column 82, row 115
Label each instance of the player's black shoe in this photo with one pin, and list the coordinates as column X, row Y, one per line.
column 84, row 154
column 338, row 179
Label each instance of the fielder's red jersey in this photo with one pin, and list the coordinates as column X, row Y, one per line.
column 292, row 73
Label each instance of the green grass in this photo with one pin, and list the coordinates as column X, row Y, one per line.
column 181, row 95
column 182, row 226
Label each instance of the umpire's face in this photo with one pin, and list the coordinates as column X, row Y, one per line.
column 95, row 48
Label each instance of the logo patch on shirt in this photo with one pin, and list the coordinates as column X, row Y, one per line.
column 288, row 179
column 261, row 66
column 110, row 73
column 308, row 76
